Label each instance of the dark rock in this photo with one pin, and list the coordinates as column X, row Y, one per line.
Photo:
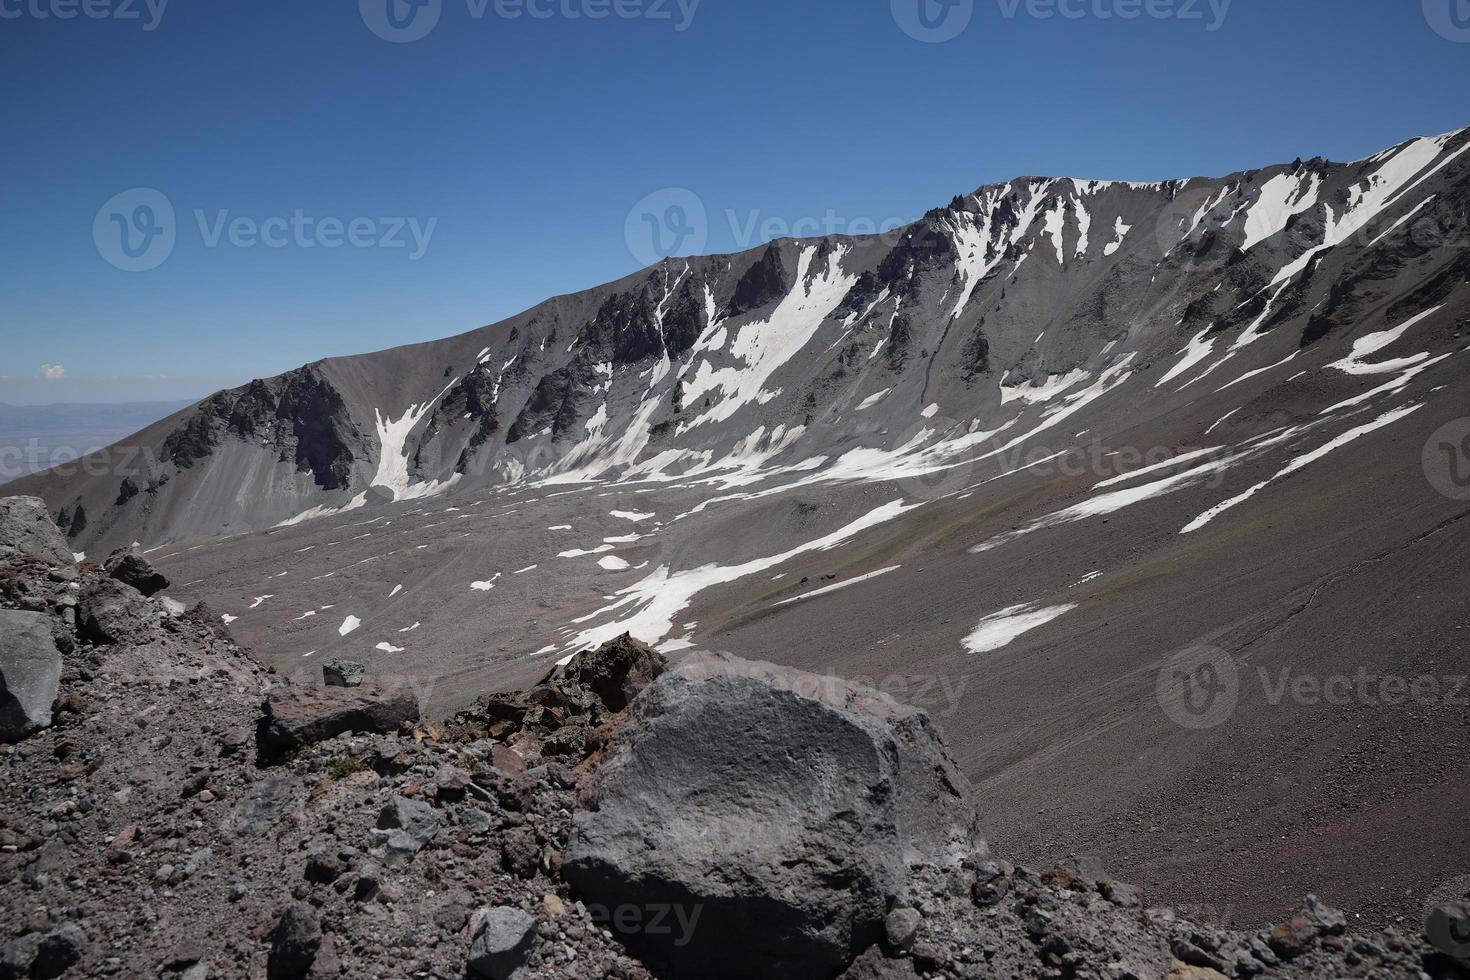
column 366, row 888
column 1328, row 921
column 26, row 528
column 450, row 783
column 785, row 805
column 1448, row 930
column 562, row 712
column 323, row 869
column 343, row 673
column 1293, row 937
column 1120, row 894
column 17, row 956
column 30, row 673
column 501, row 942
column 112, row 612
column 296, row 715
column 58, row 951
column 133, row 569
column 872, row 965
column 294, row 943
column 902, row 929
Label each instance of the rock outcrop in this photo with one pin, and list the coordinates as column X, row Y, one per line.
column 26, row 529
column 131, row 568
column 112, row 611
column 30, row 673
column 297, row 715
column 784, row 805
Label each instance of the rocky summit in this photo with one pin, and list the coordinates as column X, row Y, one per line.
column 171, row 807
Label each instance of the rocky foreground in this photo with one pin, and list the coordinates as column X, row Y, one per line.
column 169, row 807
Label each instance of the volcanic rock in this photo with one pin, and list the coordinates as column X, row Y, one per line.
column 133, row 569
column 27, row 529
column 112, row 612
column 502, row 938
column 30, row 673
column 296, row 715
column 784, row 805
column 343, row 673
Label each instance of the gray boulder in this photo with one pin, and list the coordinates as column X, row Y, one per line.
column 133, row 569
column 30, row 673
column 783, row 806
column 343, row 673
column 27, row 529
column 1448, row 930
column 502, row 941
column 404, row 828
column 112, row 612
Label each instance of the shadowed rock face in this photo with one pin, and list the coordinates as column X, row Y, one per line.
column 784, row 805
column 300, row 414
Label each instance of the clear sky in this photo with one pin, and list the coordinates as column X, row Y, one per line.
column 522, row 137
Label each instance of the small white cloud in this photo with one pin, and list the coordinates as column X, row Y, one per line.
column 53, row 372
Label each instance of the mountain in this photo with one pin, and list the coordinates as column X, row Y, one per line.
column 1153, row 494
column 37, row 437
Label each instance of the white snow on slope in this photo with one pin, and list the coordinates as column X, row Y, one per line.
column 1054, row 226
column 1033, row 394
column 1391, row 180
column 1365, row 347
column 612, row 563
column 873, row 399
column 393, row 452
column 388, row 648
column 1280, row 198
column 1120, row 229
column 1301, row 462
column 764, row 346
column 971, row 234
column 1197, row 350
column 999, row 630
column 349, row 624
column 839, row 586
column 653, row 603
column 1167, row 464
column 630, row 515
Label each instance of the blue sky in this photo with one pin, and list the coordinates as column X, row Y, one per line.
column 504, row 152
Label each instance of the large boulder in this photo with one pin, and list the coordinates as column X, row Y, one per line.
column 113, row 612
column 131, row 568
column 297, row 715
column 780, row 807
column 30, row 673
column 27, row 529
